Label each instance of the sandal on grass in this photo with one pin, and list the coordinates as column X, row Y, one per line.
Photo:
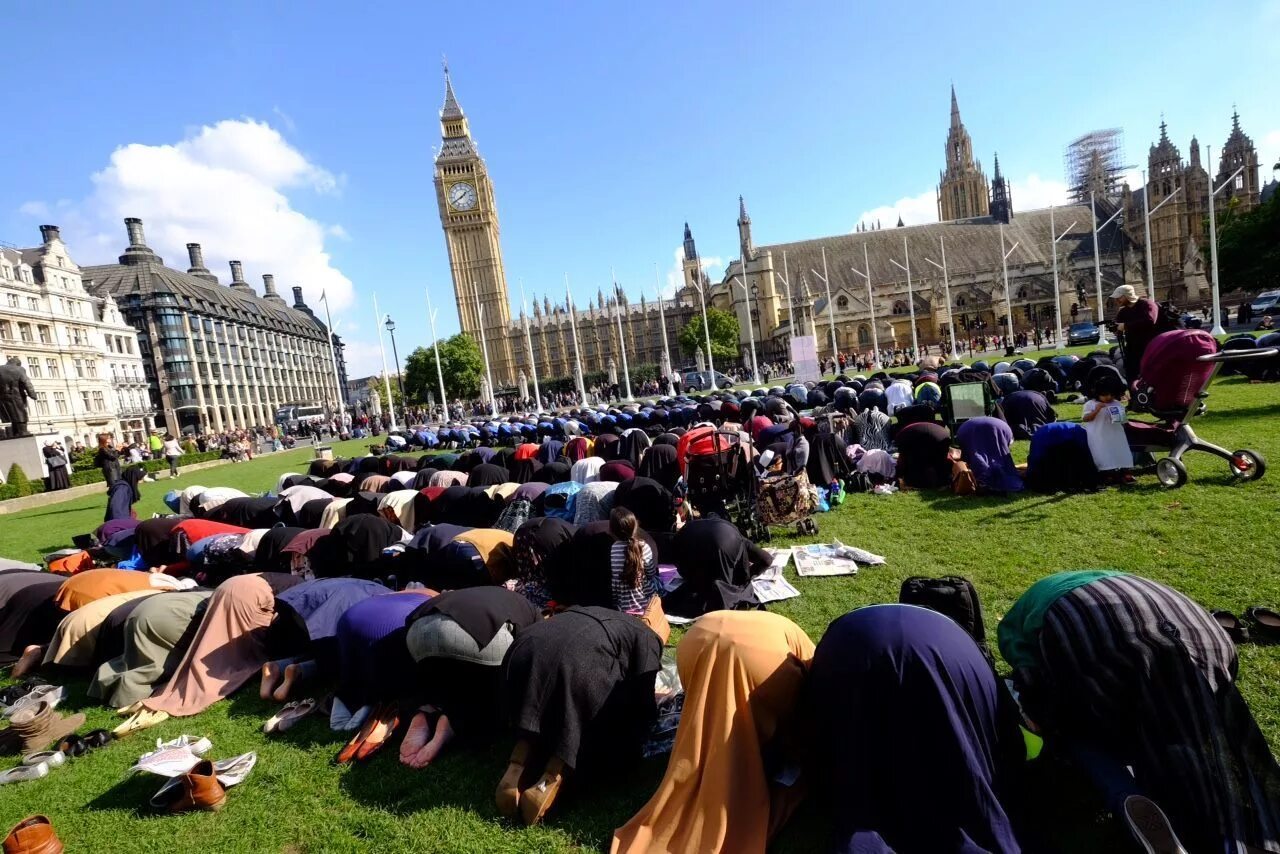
column 1232, row 625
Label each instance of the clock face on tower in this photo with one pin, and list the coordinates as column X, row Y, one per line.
column 462, row 196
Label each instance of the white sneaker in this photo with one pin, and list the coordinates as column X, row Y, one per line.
column 22, row 773
column 51, row 694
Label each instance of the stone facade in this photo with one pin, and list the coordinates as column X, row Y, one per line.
column 1178, row 194
column 963, row 191
column 83, row 358
column 216, row 356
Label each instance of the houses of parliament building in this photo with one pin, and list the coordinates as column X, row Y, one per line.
column 775, row 289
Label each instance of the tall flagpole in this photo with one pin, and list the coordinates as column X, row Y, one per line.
column 333, row 354
column 573, row 329
column 435, row 343
column 484, row 347
column 831, row 309
column 528, row 337
column 706, row 326
column 662, row 321
column 622, row 341
column 386, row 378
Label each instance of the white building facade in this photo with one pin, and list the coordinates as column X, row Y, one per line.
column 81, row 356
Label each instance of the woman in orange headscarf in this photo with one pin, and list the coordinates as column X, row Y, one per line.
column 742, row 673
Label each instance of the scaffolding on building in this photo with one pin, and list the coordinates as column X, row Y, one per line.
column 1095, row 162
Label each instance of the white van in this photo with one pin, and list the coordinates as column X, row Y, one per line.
column 1267, row 302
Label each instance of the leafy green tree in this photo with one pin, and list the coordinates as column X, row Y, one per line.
column 724, row 335
column 1249, row 248
column 462, row 365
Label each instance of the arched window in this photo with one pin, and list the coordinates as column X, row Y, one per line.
column 842, row 303
column 864, row 335
column 1022, row 292
column 960, row 301
column 899, row 307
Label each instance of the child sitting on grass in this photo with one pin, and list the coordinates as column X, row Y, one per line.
column 1104, row 424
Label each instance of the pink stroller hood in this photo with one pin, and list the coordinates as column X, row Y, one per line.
column 1170, row 368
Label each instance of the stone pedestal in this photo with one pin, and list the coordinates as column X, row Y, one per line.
column 27, row 452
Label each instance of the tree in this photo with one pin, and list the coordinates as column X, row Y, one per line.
column 724, row 336
column 379, row 390
column 462, row 365
column 1249, row 248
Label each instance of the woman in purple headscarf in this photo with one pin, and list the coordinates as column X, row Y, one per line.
column 910, row 736
column 984, row 445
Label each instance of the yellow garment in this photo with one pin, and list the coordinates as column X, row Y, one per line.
column 77, row 635
column 397, row 507
column 742, row 673
column 494, row 546
column 334, row 512
column 501, row 490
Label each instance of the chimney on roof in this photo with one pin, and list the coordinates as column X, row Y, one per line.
column 298, row 301
column 49, row 233
column 134, row 226
column 237, row 277
column 198, row 269
column 137, row 252
column 269, row 289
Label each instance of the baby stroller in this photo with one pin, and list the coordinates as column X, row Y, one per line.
column 1176, row 371
column 717, row 472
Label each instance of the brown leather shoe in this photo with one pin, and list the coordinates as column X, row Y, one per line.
column 33, row 835
column 536, row 800
column 200, row 790
column 507, row 795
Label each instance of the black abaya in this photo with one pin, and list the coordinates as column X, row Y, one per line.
column 716, row 564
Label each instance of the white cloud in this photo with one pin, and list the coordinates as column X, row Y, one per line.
column 675, row 274
column 39, row 210
column 337, row 231
column 1269, row 152
column 1029, row 193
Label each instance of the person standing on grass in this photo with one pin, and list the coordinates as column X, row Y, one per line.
column 107, row 459
column 172, row 450
column 1103, row 419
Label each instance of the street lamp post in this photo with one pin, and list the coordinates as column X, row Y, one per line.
column 1008, row 303
column 946, row 290
column 1097, row 261
column 1218, row 328
column 1057, row 298
column 706, row 326
column 484, row 347
column 791, row 307
column 662, row 324
column 435, row 343
column 911, row 299
column 386, row 381
column 622, row 342
column 333, row 356
column 741, row 282
column 831, row 309
column 391, row 327
column 528, row 338
column 1147, row 211
column 871, row 307
column 577, row 354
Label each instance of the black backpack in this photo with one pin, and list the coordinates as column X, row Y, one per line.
column 953, row 596
column 1168, row 317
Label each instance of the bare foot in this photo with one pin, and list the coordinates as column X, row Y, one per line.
column 292, row 673
column 443, row 735
column 415, row 738
column 270, row 679
column 29, row 661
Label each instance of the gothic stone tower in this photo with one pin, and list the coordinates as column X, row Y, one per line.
column 962, row 189
column 469, row 216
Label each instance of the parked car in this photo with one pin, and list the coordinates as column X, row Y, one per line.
column 1083, row 333
column 701, row 381
column 1267, row 302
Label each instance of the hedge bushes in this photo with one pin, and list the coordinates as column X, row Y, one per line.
column 18, row 485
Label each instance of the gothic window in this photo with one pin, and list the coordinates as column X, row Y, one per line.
column 842, row 302
column 960, row 301
column 899, row 307
column 864, row 335
column 1022, row 292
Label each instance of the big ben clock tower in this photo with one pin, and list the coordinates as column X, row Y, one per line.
column 469, row 217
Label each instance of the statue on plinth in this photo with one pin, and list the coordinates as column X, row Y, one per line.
column 15, row 388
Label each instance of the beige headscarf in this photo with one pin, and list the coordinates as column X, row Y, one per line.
column 742, row 672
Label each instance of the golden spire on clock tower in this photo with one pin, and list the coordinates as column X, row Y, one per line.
column 469, row 217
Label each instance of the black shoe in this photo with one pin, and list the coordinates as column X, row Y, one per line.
column 1150, row 826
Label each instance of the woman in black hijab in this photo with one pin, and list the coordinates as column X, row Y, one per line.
column 579, row 690
column 487, row 474
column 538, row 544
column 924, row 460
column 123, row 494
column 152, row 539
column 311, row 513
column 246, row 512
column 717, row 564
column 523, row 471
column 650, row 501
column 470, row 506
column 633, row 446
column 660, row 463
column 270, row 556
column 557, row 472
column 355, row 547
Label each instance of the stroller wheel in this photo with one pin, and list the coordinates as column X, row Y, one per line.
column 1171, row 473
column 1248, row 465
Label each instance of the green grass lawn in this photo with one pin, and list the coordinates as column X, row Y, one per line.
column 1214, row 539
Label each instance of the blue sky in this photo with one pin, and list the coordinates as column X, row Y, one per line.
column 299, row 139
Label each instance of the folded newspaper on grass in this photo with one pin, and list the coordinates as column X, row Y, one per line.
column 771, row 585
column 834, row 558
